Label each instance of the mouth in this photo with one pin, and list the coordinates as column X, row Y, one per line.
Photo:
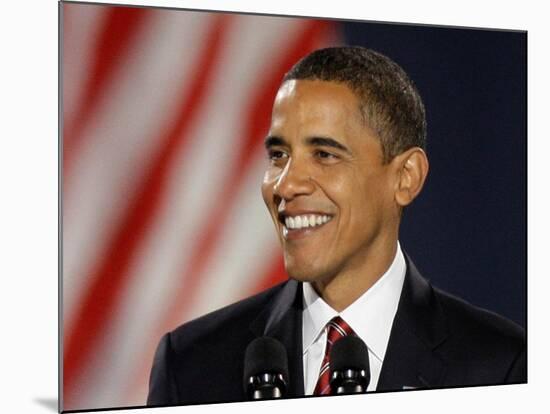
column 296, row 226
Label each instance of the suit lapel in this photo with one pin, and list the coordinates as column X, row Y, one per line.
column 410, row 362
column 418, row 328
column 282, row 320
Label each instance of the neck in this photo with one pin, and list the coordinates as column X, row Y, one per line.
column 351, row 283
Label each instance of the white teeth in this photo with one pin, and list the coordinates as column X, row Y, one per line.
column 299, row 222
column 290, row 222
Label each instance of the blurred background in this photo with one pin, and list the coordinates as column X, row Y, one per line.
column 163, row 118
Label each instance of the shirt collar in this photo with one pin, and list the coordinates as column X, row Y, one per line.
column 370, row 316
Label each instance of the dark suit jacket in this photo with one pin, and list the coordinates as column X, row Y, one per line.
column 436, row 340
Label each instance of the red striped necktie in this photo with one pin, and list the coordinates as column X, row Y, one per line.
column 337, row 328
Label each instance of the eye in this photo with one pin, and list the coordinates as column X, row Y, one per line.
column 324, row 155
column 276, row 155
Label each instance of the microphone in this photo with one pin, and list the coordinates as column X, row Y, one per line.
column 349, row 366
column 265, row 369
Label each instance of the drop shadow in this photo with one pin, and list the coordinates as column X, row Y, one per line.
column 49, row 403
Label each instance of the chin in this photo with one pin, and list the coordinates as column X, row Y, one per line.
column 306, row 272
column 301, row 276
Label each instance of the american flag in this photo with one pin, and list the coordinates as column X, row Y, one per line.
column 163, row 117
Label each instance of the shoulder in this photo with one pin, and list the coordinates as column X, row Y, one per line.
column 462, row 330
column 232, row 320
column 205, row 351
column 463, row 315
column 479, row 331
column 474, row 345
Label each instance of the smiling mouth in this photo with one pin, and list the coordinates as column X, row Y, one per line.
column 300, row 225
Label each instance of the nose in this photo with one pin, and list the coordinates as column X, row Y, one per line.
column 295, row 180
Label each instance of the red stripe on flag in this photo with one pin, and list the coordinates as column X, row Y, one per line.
column 120, row 29
column 276, row 273
column 112, row 273
column 257, row 123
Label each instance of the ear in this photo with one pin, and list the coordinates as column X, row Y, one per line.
column 412, row 169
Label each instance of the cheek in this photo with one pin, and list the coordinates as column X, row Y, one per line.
column 347, row 189
column 267, row 189
column 271, row 175
column 377, row 197
column 267, row 185
column 360, row 198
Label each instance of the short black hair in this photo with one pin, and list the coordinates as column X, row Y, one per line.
column 389, row 101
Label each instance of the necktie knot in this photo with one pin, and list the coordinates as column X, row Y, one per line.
column 338, row 328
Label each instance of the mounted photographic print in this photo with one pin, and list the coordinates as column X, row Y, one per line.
column 261, row 207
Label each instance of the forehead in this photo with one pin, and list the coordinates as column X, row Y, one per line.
column 315, row 102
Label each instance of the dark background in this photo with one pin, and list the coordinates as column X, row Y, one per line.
column 467, row 230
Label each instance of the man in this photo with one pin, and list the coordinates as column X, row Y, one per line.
column 346, row 152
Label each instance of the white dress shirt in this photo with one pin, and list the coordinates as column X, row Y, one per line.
column 370, row 316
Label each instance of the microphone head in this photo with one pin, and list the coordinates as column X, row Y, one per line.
column 350, row 356
column 265, row 355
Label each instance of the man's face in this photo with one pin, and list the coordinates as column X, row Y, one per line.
column 326, row 187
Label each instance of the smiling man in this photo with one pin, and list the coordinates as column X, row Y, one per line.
column 335, row 201
column 346, row 150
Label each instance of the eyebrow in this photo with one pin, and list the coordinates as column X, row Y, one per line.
column 271, row 141
column 327, row 142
